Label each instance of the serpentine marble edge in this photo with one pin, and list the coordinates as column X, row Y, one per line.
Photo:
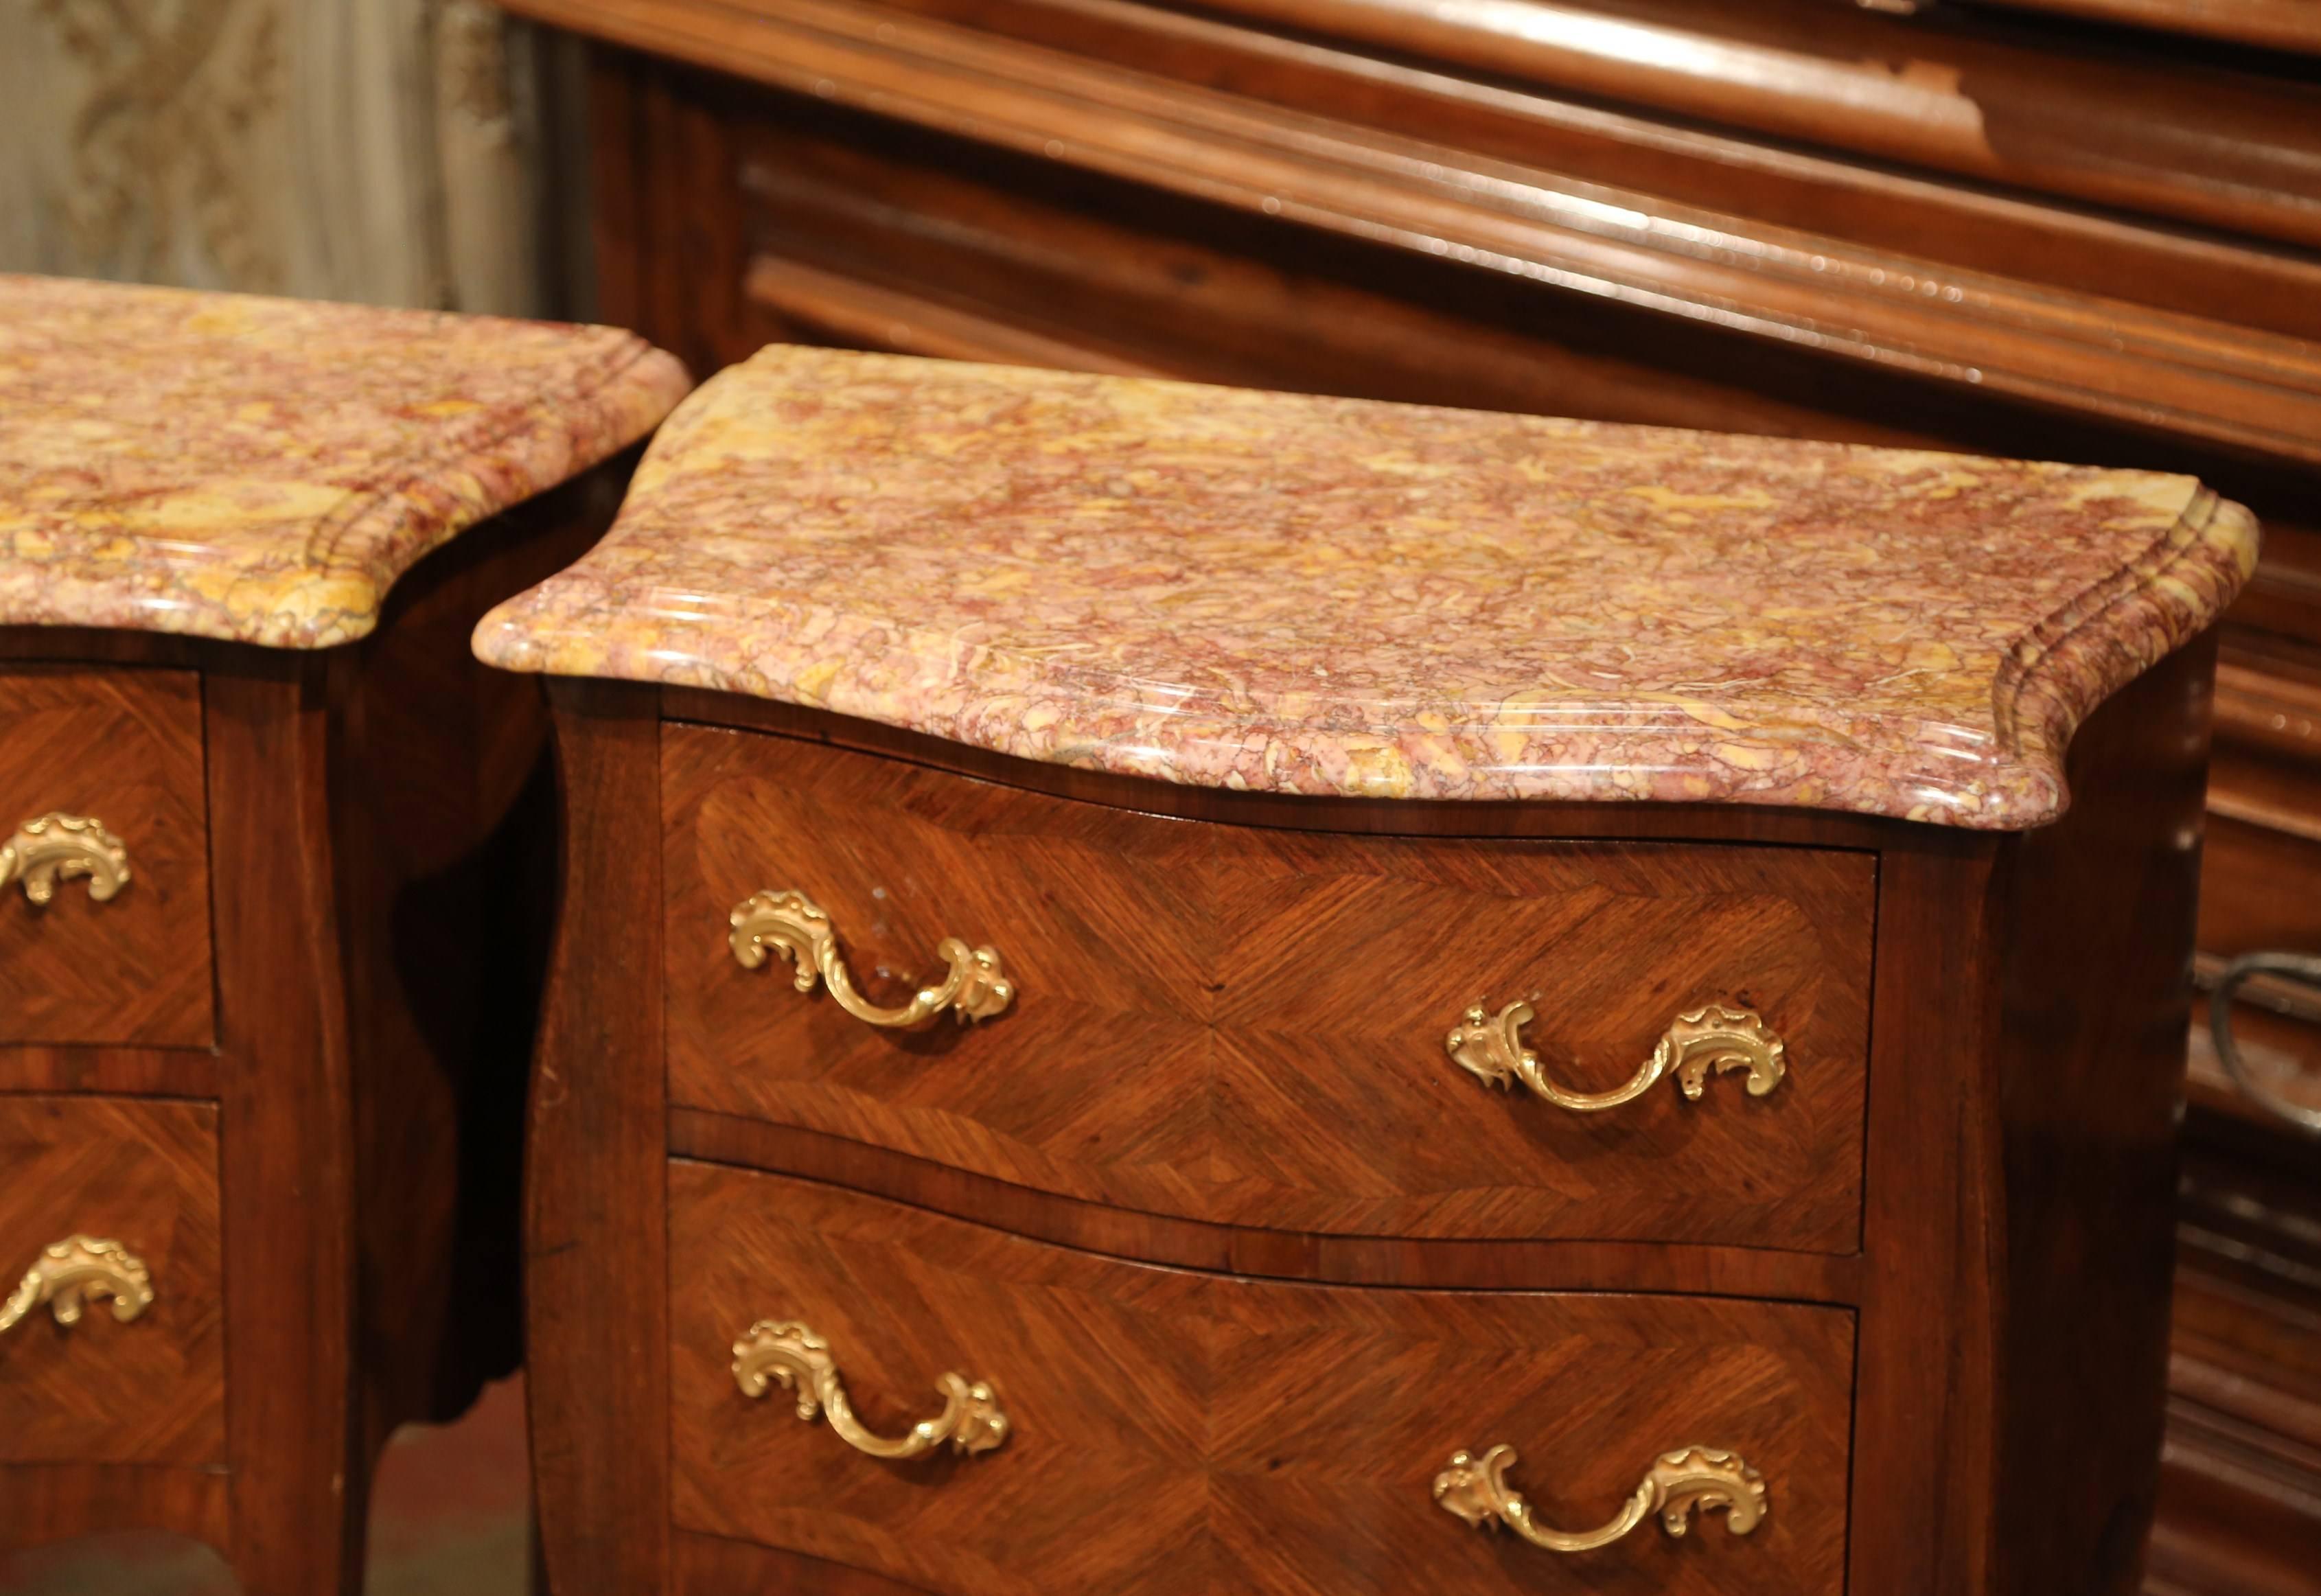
column 263, row 471
column 1288, row 594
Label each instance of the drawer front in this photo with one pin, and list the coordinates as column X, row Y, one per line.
column 123, row 747
column 123, row 1188
column 1249, row 1026
column 1174, row 1432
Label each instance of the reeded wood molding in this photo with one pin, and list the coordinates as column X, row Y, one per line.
column 2227, row 149
column 2283, row 25
column 2079, row 352
column 1878, row 205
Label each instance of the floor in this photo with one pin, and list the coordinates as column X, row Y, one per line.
column 448, row 1518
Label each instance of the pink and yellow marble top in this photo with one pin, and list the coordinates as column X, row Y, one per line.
column 264, row 469
column 1288, row 594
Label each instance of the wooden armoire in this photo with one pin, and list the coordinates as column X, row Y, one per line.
column 2079, row 230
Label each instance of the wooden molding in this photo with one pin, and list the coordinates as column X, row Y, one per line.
column 1969, row 95
column 867, row 315
column 2148, row 368
column 2282, row 25
column 2269, row 710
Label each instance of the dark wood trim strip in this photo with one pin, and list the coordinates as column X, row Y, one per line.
column 2281, row 24
column 121, row 1072
column 596, row 1199
column 1273, row 1254
column 286, row 1134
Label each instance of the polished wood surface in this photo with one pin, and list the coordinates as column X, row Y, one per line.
column 2244, row 1424
column 145, row 1174
column 2017, row 1163
column 42, row 1502
column 1950, row 90
column 2286, row 24
column 286, row 1154
column 445, row 851
column 124, row 746
column 1180, row 1432
column 2091, row 1016
column 711, row 1565
column 1282, row 1255
column 596, row 1187
column 1254, row 1020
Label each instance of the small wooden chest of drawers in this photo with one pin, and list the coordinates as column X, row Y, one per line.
column 1373, row 1122
column 263, row 1018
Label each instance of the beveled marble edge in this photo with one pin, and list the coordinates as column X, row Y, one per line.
column 2060, row 671
column 334, row 594
column 2056, row 674
column 550, row 443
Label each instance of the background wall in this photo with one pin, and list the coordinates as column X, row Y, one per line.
column 383, row 151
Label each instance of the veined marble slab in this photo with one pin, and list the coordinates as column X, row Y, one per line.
column 263, row 471
column 1280, row 593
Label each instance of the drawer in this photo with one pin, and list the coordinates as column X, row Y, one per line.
column 123, row 746
column 139, row 1178
column 1248, row 1026
column 1175, row 1432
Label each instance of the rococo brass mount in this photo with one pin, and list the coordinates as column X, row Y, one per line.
column 58, row 847
column 1489, row 1047
column 794, row 925
column 1477, row 1490
column 70, row 1272
column 800, row 1360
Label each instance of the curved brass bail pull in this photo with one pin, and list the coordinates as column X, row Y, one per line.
column 1701, row 1477
column 1489, row 1047
column 794, row 927
column 70, row 1272
column 789, row 1353
column 58, row 847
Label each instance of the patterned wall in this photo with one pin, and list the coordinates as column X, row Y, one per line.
column 384, row 151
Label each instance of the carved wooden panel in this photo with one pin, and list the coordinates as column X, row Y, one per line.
column 125, row 746
column 1181, row 1433
column 1248, row 1026
column 144, row 1173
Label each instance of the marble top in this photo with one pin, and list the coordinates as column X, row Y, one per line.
column 1288, row 594
column 264, row 469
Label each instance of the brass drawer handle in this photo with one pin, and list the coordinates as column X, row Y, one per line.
column 789, row 1353
column 70, row 1272
column 57, row 847
column 794, row 927
column 1678, row 1481
column 1712, row 1037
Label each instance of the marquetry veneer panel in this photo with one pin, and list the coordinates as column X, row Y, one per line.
column 125, row 746
column 144, row 1173
column 1246, row 1026
column 1183, row 1433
